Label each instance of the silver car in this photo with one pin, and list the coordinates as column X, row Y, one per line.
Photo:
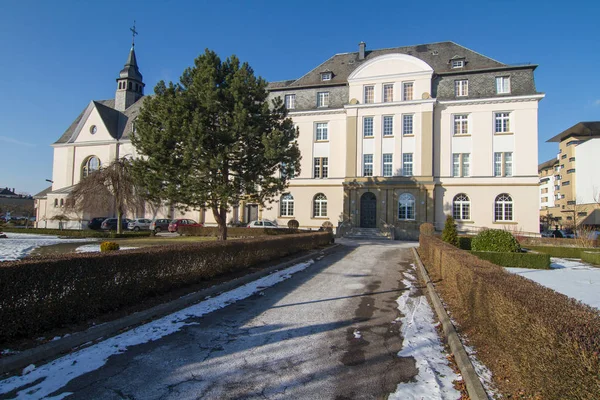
column 139, row 224
column 262, row 223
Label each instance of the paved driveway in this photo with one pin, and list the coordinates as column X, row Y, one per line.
column 325, row 333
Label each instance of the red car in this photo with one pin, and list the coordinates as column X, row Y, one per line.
column 176, row 223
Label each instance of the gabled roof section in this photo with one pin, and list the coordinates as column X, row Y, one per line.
column 548, row 164
column 110, row 117
column 43, row 193
column 582, row 129
column 66, row 136
column 434, row 54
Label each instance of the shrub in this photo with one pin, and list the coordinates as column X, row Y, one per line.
column 449, row 234
column 539, row 343
column 516, row 260
column 590, row 257
column 426, row 229
column 56, row 290
column 465, row 242
column 495, row 240
column 109, row 246
column 236, row 232
column 562, row 252
column 328, row 226
column 293, row 224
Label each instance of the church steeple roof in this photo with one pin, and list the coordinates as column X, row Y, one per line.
column 131, row 70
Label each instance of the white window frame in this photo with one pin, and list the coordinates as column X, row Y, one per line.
column 371, row 127
column 384, row 98
column 405, row 86
column 326, row 76
column 465, row 164
column 406, row 207
column 461, row 87
column 458, row 63
column 290, row 101
column 321, row 131
column 407, row 165
column 503, row 164
column 368, row 165
column 322, row 99
column 286, row 205
column 461, row 207
column 388, row 164
column 406, row 125
column 502, row 122
column 503, row 85
column 369, row 94
column 504, row 208
column 463, row 124
column 319, row 206
column 387, row 121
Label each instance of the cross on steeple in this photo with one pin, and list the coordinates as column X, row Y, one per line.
column 133, row 33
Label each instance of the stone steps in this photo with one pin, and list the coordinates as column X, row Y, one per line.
column 366, row 234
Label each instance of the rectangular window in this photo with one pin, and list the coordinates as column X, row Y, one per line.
column 388, row 164
column 367, row 164
column 321, row 167
column 571, row 171
column 326, row 76
column 563, row 156
column 407, row 91
column 461, row 87
column 323, row 99
column 290, row 101
column 388, row 92
column 368, row 126
column 497, row 164
column 458, row 63
column 571, row 159
column 388, row 125
column 508, row 164
column 407, row 124
column 466, row 164
column 407, row 164
column 456, row 164
column 322, row 131
column 566, row 183
column 461, row 124
column 369, row 94
column 502, row 84
column 502, row 122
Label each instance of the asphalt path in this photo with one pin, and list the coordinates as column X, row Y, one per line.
column 328, row 332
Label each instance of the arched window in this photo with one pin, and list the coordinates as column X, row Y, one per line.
column 55, row 202
column 503, row 208
column 320, row 205
column 406, row 206
column 90, row 165
column 287, row 205
column 461, row 207
column 62, row 202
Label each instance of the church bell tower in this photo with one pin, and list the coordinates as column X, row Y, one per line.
column 130, row 85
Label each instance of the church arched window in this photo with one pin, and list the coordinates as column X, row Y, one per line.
column 90, row 165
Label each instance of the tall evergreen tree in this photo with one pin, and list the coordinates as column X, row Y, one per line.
column 449, row 234
column 213, row 139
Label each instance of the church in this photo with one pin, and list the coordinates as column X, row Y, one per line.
column 389, row 138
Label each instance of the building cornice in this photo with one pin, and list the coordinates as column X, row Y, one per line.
column 318, row 111
column 495, row 100
column 89, row 144
column 390, row 104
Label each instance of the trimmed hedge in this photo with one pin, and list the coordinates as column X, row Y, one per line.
column 562, row 252
column 86, row 233
column 537, row 342
column 465, row 242
column 590, row 257
column 49, row 292
column 237, row 232
column 426, row 228
column 515, row 260
column 542, row 241
column 495, row 240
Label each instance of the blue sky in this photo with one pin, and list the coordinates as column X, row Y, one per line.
column 57, row 56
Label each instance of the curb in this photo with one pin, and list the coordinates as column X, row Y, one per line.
column 474, row 386
column 56, row 348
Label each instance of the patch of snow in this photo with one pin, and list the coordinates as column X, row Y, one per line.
column 421, row 342
column 570, row 277
column 357, row 334
column 28, row 369
column 483, row 372
column 95, row 248
column 19, row 245
column 55, row 375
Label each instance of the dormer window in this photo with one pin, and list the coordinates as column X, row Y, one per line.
column 458, row 63
column 326, row 76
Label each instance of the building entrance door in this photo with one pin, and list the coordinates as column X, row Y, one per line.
column 251, row 212
column 368, row 210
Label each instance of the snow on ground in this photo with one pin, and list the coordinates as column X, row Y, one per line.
column 573, row 278
column 421, row 341
column 39, row 382
column 19, row 245
column 94, row 248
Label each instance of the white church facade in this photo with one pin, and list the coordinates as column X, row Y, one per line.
column 396, row 136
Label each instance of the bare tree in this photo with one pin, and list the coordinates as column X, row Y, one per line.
column 112, row 185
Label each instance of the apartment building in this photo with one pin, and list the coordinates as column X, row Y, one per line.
column 576, row 179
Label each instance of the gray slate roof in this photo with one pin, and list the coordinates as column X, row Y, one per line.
column 437, row 55
column 43, row 193
column 548, row 164
column 591, row 129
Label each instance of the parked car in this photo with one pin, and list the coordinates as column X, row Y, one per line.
column 262, row 223
column 110, row 224
column 159, row 225
column 96, row 223
column 139, row 224
column 176, row 223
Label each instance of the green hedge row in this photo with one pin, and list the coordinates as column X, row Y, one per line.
column 465, row 242
column 236, row 232
column 590, row 257
column 85, row 233
column 537, row 342
column 43, row 293
column 516, row 260
column 562, row 252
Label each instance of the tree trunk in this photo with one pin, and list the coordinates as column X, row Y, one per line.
column 220, row 215
column 119, row 224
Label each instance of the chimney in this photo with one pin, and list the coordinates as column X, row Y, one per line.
column 13, row 190
column 361, row 50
